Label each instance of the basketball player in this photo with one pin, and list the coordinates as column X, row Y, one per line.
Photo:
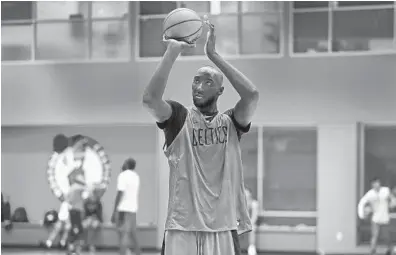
column 253, row 208
column 207, row 203
column 93, row 219
column 76, row 196
column 379, row 199
column 126, row 206
column 61, row 226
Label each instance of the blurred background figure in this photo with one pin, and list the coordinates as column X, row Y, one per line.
column 93, row 218
column 6, row 212
column 62, row 225
column 375, row 206
column 126, row 206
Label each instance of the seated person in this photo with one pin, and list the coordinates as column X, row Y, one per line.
column 6, row 212
column 92, row 221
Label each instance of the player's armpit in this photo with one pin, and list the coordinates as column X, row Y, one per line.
column 160, row 109
column 245, row 109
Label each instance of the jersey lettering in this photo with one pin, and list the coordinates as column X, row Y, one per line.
column 210, row 136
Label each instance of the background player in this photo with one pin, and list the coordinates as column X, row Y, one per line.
column 61, row 226
column 378, row 198
column 93, row 219
column 126, row 206
column 207, row 203
column 76, row 195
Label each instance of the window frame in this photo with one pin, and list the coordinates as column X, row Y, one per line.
column 279, row 55
column 361, row 156
column 88, row 46
column 261, row 168
column 331, row 9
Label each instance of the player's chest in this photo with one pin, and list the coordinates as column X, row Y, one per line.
column 380, row 197
column 208, row 133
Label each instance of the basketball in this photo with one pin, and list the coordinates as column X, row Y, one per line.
column 183, row 24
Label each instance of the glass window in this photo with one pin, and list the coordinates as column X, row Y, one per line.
column 16, row 10
column 363, row 30
column 227, row 36
column 16, row 42
column 197, row 6
column 310, row 32
column 260, row 34
column 156, row 7
column 150, row 39
column 225, row 7
column 110, row 39
column 249, row 144
column 380, row 155
column 51, row 10
column 310, row 4
column 70, row 41
column 260, row 6
column 379, row 160
column 362, row 3
column 109, row 9
column 289, row 169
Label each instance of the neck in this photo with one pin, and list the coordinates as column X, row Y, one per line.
column 208, row 110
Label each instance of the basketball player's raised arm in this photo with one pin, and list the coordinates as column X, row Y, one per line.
column 246, row 106
column 153, row 94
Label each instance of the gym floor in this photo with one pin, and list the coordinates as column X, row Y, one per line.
column 55, row 252
column 25, row 251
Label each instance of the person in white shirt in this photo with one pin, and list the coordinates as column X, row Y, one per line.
column 126, row 206
column 376, row 204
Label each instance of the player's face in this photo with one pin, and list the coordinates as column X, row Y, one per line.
column 206, row 87
column 376, row 185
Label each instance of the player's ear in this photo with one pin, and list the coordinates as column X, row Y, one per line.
column 220, row 91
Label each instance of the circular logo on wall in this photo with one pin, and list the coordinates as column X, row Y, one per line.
column 79, row 160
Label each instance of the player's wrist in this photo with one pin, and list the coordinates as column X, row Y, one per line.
column 174, row 50
column 213, row 55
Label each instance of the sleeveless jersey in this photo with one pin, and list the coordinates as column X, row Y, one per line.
column 206, row 186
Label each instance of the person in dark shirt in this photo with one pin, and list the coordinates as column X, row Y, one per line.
column 6, row 212
column 93, row 219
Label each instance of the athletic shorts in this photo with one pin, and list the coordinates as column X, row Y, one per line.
column 76, row 225
column 382, row 231
column 178, row 242
column 126, row 222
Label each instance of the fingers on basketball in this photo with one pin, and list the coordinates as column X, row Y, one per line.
column 183, row 25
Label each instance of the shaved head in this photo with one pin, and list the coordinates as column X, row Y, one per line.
column 207, row 87
column 213, row 72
